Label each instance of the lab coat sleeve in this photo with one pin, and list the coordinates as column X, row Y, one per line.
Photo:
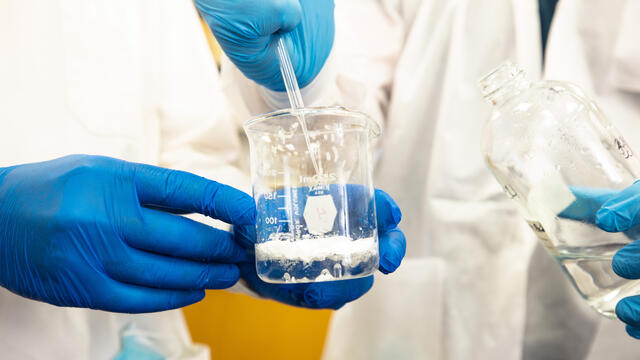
column 358, row 73
column 194, row 127
column 195, row 130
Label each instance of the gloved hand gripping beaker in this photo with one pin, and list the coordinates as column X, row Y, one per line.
column 313, row 225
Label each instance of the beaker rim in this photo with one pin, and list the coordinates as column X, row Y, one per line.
column 372, row 126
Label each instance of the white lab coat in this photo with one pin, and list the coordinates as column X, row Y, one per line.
column 467, row 289
column 595, row 45
column 128, row 79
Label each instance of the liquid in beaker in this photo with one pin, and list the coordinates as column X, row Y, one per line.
column 313, row 227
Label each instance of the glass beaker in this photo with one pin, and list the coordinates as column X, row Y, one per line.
column 313, row 225
column 559, row 159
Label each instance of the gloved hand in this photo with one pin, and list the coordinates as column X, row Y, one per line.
column 248, row 32
column 334, row 294
column 621, row 212
column 587, row 204
column 80, row 231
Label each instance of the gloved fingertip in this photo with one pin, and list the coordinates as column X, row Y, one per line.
column 392, row 250
column 611, row 220
column 387, row 267
column 396, row 213
column 312, row 297
column 626, row 261
column 335, row 294
column 385, row 206
column 198, row 296
column 229, row 280
column 626, row 311
column 247, row 272
column 633, row 331
column 391, row 261
column 247, row 213
column 384, row 270
column 189, row 298
column 619, row 263
column 337, row 306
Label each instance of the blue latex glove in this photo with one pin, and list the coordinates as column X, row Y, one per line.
column 332, row 295
column 248, row 32
column 621, row 212
column 79, row 231
column 587, row 204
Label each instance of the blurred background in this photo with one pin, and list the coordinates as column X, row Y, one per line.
column 237, row 326
column 240, row 327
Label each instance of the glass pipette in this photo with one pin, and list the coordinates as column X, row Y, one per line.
column 295, row 98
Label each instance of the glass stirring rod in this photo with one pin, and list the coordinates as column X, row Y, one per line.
column 295, row 98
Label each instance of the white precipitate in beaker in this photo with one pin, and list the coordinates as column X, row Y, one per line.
column 317, row 258
column 313, row 226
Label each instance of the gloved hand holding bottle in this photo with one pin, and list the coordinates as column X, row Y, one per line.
column 248, row 31
column 332, row 294
column 96, row 232
column 621, row 213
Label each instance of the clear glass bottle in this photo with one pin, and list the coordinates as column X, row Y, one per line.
column 558, row 158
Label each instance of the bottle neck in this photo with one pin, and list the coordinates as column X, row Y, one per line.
column 503, row 83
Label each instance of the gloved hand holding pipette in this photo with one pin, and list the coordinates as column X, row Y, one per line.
column 248, row 32
column 282, row 45
column 333, row 294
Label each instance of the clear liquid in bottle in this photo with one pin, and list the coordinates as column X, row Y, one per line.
column 559, row 159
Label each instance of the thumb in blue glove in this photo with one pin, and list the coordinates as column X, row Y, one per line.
column 248, row 31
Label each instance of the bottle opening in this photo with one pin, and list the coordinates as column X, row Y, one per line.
column 505, row 79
